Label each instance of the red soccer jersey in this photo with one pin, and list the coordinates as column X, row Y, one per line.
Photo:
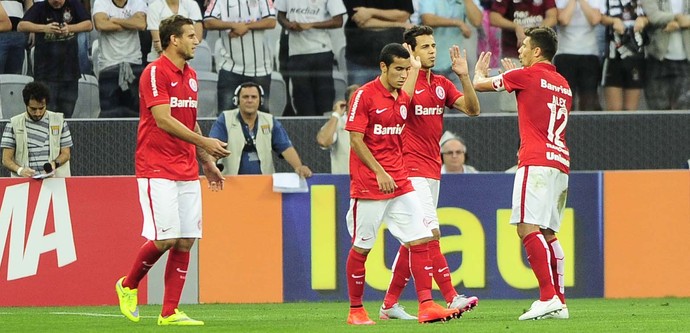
column 381, row 118
column 424, row 125
column 544, row 99
column 526, row 13
column 159, row 154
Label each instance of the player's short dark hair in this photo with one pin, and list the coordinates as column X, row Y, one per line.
column 172, row 26
column 410, row 35
column 37, row 91
column 544, row 38
column 392, row 51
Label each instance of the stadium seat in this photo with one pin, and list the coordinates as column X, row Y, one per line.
column 278, row 97
column 11, row 86
column 208, row 94
column 203, row 58
column 88, row 103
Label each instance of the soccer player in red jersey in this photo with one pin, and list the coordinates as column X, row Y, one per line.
column 422, row 157
column 168, row 142
column 541, row 182
column 379, row 186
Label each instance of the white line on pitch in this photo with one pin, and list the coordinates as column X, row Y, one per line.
column 89, row 314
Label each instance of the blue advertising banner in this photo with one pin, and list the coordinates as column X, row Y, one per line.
column 484, row 253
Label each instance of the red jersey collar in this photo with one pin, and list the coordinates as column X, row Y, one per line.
column 379, row 86
column 171, row 66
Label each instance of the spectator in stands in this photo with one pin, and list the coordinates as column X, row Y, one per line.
column 624, row 64
column 56, row 57
column 370, row 26
column 667, row 85
column 5, row 23
column 252, row 135
column 310, row 59
column 244, row 56
column 119, row 23
column 454, row 156
column 577, row 58
column 489, row 39
column 161, row 9
column 38, row 141
column 334, row 137
column 12, row 42
column 513, row 18
column 451, row 19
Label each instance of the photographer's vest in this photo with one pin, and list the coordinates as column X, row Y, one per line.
column 236, row 142
column 21, row 153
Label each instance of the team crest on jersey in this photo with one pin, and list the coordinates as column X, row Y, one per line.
column 67, row 16
column 403, row 111
column 192, row 84
column 440, row 92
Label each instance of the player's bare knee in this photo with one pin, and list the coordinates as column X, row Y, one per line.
column 184, row 244
column 436, row 234
column 360, row 250
column 165, row 244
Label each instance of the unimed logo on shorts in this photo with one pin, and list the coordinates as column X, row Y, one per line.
column 25, row 248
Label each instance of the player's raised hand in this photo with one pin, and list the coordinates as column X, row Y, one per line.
column 459, row 61
column 415, row 62
column 482, row 66
column 508, row 64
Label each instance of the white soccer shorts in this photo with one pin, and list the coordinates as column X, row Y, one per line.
column 403, row 216
column 539, row 196
column 171, row 209
column 427, row 189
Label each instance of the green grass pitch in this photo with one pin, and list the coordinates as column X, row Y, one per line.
column 586, row 315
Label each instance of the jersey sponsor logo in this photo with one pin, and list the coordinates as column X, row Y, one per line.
column 193, row 85
column 559, row 89
column 354, row 105
column 417, row 92
column 551, row 156
column 183, row 103
column 379, row 111
column 154, row 89
column 388, row 130
column 440, row 93
column 422, row 111
column 174, row 84
column 403, row 111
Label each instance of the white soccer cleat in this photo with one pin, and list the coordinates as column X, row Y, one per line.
column 563, row 314
column 540, row 309
column 396, row 311
column 463, row 303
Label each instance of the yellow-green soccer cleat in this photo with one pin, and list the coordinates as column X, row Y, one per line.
column 179, row 318
column 128, row 301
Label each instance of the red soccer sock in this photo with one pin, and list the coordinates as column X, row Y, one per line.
column 441, row 271
column 355, row 277
column 175, row 276
column 401, row 275
column 558, row 268
column 420, row 266
column 538, row 256
column 147, row 256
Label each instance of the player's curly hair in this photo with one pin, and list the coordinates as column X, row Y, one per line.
column 544, row 38
column 37, row 91
column 410, row 35
column 172, row 26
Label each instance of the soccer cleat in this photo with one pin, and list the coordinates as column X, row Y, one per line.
column 563, row 314
column 396, row 311
column 178, row 318
column 359, row 316
column 128, row 301
column 430, row 312
column 540, row 309
column 463, row 303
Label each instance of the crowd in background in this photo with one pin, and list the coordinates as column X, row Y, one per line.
column 612, row 52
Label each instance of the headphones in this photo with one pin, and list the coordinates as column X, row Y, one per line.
column 236, row 97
